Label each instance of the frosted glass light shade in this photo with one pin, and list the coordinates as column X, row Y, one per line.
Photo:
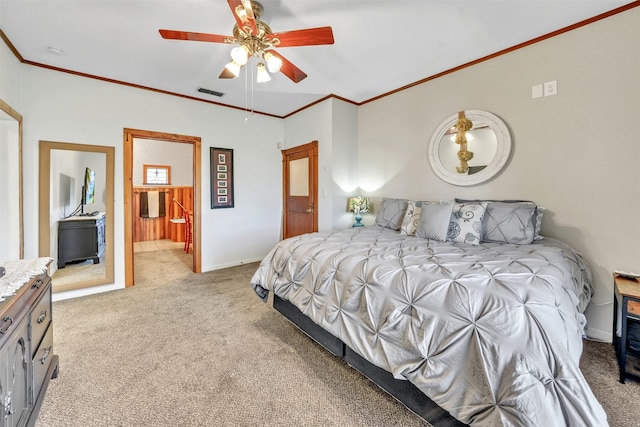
column 233, row 67
column 240, row 55
column 273, row 62
column 263, row 75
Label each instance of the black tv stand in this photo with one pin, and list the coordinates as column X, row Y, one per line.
column 80, row 238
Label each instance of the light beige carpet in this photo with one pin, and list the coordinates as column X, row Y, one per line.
column 203, row 350
column 199, row 350
column 79, row 272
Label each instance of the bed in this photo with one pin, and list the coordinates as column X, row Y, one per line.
column 458, row 308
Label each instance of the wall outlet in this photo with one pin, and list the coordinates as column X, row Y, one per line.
column 551, row 88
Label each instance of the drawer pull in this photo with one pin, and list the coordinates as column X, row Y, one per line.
column 42, row 316
column 37, row 284
column 8, row 321
column 45, row 355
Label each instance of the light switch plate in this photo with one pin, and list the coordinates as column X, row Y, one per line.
column 551, row 88
column 536, row 91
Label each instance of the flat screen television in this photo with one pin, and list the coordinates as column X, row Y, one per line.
column 89, row 187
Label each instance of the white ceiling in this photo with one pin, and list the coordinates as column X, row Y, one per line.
column 380, row 45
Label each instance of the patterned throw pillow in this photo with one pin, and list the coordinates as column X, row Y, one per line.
column 411, row 218
column 466, row 223
column 434, row 221
column 494, row 231
column 391, row 213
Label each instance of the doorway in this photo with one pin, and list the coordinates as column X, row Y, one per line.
column 300, row 188
column 11, row 222
column 128, row 146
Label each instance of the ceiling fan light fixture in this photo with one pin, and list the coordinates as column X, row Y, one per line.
column 241, row 13
column 273, row 62
column 240, row 55
column 263, row 75
column 234, row 68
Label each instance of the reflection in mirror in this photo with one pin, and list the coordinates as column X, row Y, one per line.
column 485, row 148
column 481, row 141
column 76, row 226
column 11, row 226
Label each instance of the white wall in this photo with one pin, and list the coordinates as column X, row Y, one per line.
column 333, row 123
column 9, row 189
column 575, row 153
column 10, row 93
column 177, row 155
column 62, row 107
column 10, row 78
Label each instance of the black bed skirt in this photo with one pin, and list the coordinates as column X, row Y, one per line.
column 407, row 393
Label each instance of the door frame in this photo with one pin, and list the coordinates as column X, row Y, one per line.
column 313, row 182
column 129, row 135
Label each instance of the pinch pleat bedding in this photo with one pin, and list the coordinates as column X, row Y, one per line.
column 491, row 332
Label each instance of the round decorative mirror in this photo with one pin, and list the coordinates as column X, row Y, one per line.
column 469, row 147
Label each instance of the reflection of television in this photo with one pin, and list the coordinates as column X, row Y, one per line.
column 89, row 188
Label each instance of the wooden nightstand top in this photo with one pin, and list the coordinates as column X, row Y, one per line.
column 627, row 287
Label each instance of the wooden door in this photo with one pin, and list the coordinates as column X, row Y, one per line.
column 300, row 189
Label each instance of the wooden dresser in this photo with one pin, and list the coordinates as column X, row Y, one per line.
column 27, row 362
column 81, row 238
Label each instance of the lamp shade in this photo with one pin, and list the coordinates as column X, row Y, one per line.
column 263, row 76
column 233, row 67
column 273, row 62
column 358, row 204
column 240, row 55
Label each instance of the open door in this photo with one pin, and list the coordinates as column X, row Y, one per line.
column 300, row 189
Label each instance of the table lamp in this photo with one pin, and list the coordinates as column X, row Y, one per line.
column 357, row 205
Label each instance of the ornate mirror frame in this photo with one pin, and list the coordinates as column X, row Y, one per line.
column 503, row 149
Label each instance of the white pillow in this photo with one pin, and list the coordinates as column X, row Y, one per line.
column 434, row 221
column 411, row 218
column 466, row 223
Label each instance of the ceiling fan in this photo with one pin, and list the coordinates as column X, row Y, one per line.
column 255, row 38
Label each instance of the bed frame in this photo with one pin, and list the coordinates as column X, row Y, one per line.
column 405, row 392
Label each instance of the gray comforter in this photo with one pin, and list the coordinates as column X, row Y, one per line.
column 492, row 333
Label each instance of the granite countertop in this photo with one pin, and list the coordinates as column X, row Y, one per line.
column 20, row 272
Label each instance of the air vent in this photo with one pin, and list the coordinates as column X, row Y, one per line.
column 210, row 92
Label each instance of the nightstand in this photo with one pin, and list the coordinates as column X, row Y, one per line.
column 627, row 297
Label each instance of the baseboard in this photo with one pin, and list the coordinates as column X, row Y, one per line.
column 598, row 335
column 230, row 264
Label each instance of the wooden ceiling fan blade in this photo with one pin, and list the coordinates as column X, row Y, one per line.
column 288, row 69
column 307, row 37
column 243, row 13
column 187, row 35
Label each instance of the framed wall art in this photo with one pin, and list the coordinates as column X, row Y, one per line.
column 221, row 178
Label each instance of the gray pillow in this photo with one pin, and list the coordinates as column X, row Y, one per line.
column 434, row 221
column 537, row 219
column 391, row 213
column 509, row 223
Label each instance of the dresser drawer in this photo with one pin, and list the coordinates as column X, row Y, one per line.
column 41, row 360
column 633, row 307
column 40, row 319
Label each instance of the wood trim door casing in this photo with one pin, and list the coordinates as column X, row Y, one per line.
column 311, row 147
column 128, row 137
